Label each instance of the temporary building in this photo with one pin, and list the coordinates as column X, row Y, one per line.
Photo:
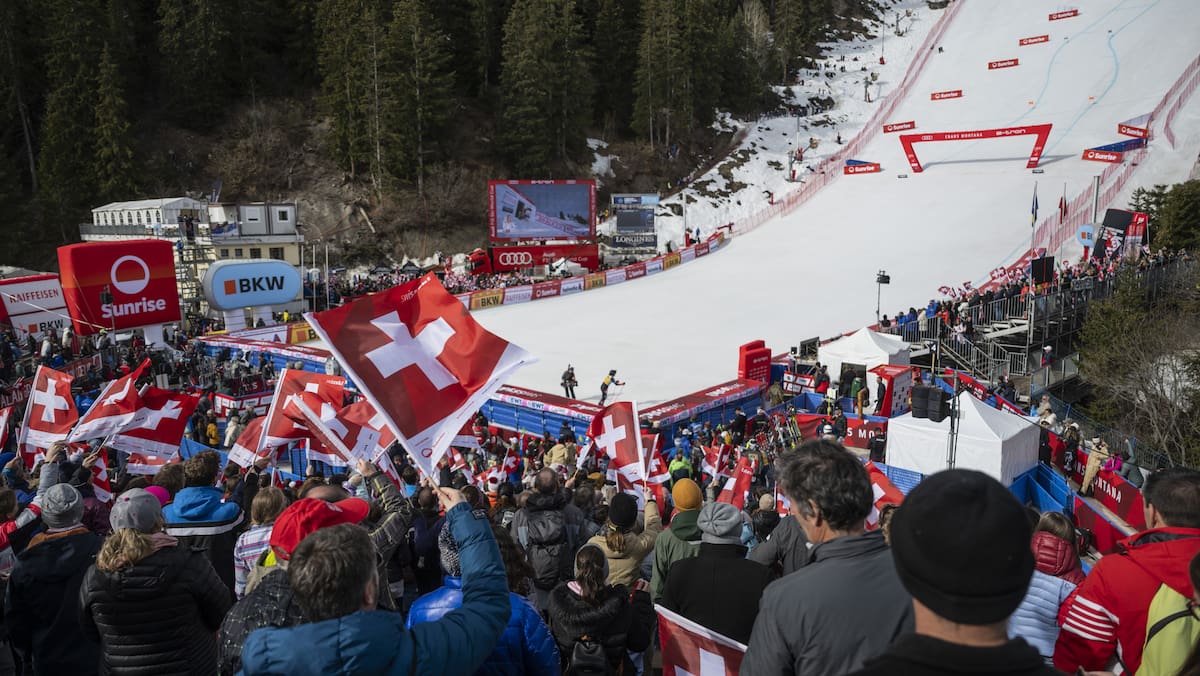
column 865, row 348
column 1000, row 444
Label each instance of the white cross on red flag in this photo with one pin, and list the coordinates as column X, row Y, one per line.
column 615, row 432
column 347, row 439
column 737, row 485
column 716, row 459
column 884, row 491
column 101, row 487
column 689, row 649
column 246, row 449
column 284, row 422
column 421, row 360
column 113, row 409
column 158, row 426
column 50, row 413
column 141, row 463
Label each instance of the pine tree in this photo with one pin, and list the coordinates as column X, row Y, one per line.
column 660, row 99
column 615, row 45
column 1179, row 218
column 571, row 83
column 1149, row 202
column 344, row 62
column 702, row 19
column 422, row 86
column 114, row 155
column 193, row 42
column 788, row 37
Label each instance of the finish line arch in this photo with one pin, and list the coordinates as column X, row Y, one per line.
column 1041, row 131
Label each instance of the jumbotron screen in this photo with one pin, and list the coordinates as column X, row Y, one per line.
column 541, row 210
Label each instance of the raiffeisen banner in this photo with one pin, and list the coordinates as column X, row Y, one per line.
column 119, row 285
column 232, row 285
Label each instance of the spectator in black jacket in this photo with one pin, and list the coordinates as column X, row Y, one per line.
column 153, row 605
column 40, row 607
column 718, row 589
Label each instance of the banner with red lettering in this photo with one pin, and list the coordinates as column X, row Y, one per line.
column 859, row 433
column 1114, row 492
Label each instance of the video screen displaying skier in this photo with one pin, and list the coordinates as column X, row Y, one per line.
column 542, row 210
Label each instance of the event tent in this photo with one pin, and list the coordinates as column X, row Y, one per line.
column 995, row 442
column 864, row 348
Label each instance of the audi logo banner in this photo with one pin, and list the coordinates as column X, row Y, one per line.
column 523, row 257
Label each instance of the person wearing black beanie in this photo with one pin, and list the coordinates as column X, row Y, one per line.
column 960, row 541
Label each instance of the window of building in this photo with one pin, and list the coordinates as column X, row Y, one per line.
column 283, row 215
column 224, row 253
column 237, row 253
column 138, row 216
column 256, row 253
column 276, row 253
column 158, row 217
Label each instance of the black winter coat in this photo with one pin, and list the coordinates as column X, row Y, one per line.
column 718, row 589
column 40, row 608
column 619, row 623
column 158, row 617
column 270, row 604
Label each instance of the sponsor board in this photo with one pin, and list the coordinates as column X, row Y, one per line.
column 518, row 294
column 868, row 168
column 546, row 289
column 119, row 285
column 39, row 324
column 570, row 285
column 948, row 94
column 634, row 239
column 687, row 255
column 1130, row 130
column 481, row 300
column 509, row 258
column 1102, row 155
column 899, row 126
column 1065, row 14
column 1035, row 40
column 702, row 249
column 654, row 266
column 1003, row 63
column 300, row 332
column 615, row 276
column 233, row 285
column 671, row 260
column 635, row 270
column 594, row 280
column 26, row 295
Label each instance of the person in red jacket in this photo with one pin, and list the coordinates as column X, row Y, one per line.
column 1054, row 548
column 1104, row 620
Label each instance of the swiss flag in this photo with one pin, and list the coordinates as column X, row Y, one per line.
column 458, row 463
column 158, row 426
column 114, row 408
column 362, row 413
column 50, row 413
column 735, row 488
column 100, row 484
column 885, row 493
column 345, row 438
column 615, row 432
column 284, row 421
column 656, row 465
column 512, row 462
column 782, row 504
column 5, row 416
column 716, row 459
column 689, row 649
column 140, row 463
column 466, row 437
column 421, row 359
column 246, row 449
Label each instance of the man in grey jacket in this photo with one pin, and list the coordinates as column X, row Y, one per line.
column 847, row 603
column 786, row 550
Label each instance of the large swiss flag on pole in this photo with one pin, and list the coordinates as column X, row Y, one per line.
column 421, row 359
column 615, row 432
column 246, row 450
column 50, row 413
column 689, row 649
column 283, row 421
column 158, row 426
column 736, row 487
column 114, row 408
column 885, row 493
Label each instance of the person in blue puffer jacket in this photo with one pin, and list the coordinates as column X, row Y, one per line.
column 347, row 636
column 525, row 647
column 1036, row 619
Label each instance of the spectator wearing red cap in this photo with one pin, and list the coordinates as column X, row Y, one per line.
column 271, row 603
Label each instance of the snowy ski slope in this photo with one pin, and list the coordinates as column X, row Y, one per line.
column 812, row 272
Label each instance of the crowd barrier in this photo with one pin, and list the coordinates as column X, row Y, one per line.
column 552, row 288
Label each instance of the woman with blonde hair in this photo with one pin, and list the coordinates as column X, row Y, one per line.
column 625, row 549
column 152, row 606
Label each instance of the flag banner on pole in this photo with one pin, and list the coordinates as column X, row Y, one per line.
column 101, row 487
column 466, row 436
column 350, row 442
column 615, row 432
column 716, row 459
column 783, row 506
column 737, row 485
column 5, row 416
column 421, row 359
column 1035, row 206
column 246, row 450
column 157, row 428
column 113, row 409
column 283, row 422
column 884, row 491
column 689, row 649
column 50, row 413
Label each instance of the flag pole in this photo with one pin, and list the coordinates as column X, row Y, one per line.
column 1032, row 292
column 637, row 435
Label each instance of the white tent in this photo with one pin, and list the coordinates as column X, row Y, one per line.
column 865, row 348
column 1000, row 444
